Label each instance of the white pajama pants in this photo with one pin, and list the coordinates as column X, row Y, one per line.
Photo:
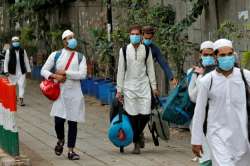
column 20, row 81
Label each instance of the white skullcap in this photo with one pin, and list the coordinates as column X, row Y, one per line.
column 14, row 38
column 67, row 33
column 207, row 44
column 222, row 43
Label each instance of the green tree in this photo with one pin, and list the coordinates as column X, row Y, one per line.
column 170, row 35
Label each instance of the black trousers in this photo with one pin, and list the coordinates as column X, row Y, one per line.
column 138, row 123
column 72, row 131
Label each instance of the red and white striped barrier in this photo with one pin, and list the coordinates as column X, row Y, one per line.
column 9, row 140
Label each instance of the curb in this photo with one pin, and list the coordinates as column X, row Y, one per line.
column 7, row 160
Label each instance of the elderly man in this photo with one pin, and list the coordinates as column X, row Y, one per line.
column 70, row 104
column 16, row 65
column 224, row 91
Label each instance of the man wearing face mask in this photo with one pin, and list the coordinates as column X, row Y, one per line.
column 207, row 60
column 224, row 91
column 70, row 105
column 148, row 35
column 134, row 77
column 16, row 65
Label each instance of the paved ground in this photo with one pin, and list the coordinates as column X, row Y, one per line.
column 37, row 138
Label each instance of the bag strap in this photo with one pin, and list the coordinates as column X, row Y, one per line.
column 124, row 50
column 70, row 60
column 80, row 56
column 161, row 124
column 245, row 82
column 58, row 54
column 147, row 53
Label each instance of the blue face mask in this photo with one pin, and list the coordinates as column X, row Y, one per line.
column 72, row 43
column 147, row 42
column 226, row 63
column 135, row 39
column 207, row 60
column 16, row 44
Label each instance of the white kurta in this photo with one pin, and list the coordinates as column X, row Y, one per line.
column 193, row 92
column 70, row 104
column 18, row 78
column 134, row 82
column 227, row 118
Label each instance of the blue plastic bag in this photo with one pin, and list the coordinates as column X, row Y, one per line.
column 178, row 108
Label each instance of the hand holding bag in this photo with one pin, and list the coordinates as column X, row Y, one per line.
column 50, row 88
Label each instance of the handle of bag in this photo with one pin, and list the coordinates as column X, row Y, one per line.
column 187, row 77
column 70, row 60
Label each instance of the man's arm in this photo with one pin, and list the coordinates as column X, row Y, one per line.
column 6, row 61
column 26, row 61
column 164, row 65
column 198, row 119
column 120, row 72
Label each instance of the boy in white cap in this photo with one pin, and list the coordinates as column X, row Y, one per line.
column 16, row 65
column 70, row 104
column 207, row 64
column 224, row 91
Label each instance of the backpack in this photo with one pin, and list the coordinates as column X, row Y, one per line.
column 178, row 108
column 247, row 88
column 158, row 127
column 120, row 131
column 58, row 54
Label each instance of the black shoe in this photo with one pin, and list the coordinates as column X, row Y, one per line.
column 73, row 156
column 21, row 102
column 136, row 149
column 142, row 141
column 59, row 148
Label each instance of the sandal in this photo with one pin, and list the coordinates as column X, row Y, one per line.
column 59, row 148
column 73, row 156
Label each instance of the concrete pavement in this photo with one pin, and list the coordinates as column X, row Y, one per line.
column 37, row 137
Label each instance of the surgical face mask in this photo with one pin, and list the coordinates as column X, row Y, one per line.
column 226, row 63
column 207, row 60
column 16, row 44
column 147, row 42
column 135, row 39
column 72, row 43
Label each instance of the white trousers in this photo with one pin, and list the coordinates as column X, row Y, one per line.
column 20, row 81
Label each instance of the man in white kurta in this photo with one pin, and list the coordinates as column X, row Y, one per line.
column 16, row 65
column 70, row 104
column 227, row 132
column 134, row 81
column 207, row 60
